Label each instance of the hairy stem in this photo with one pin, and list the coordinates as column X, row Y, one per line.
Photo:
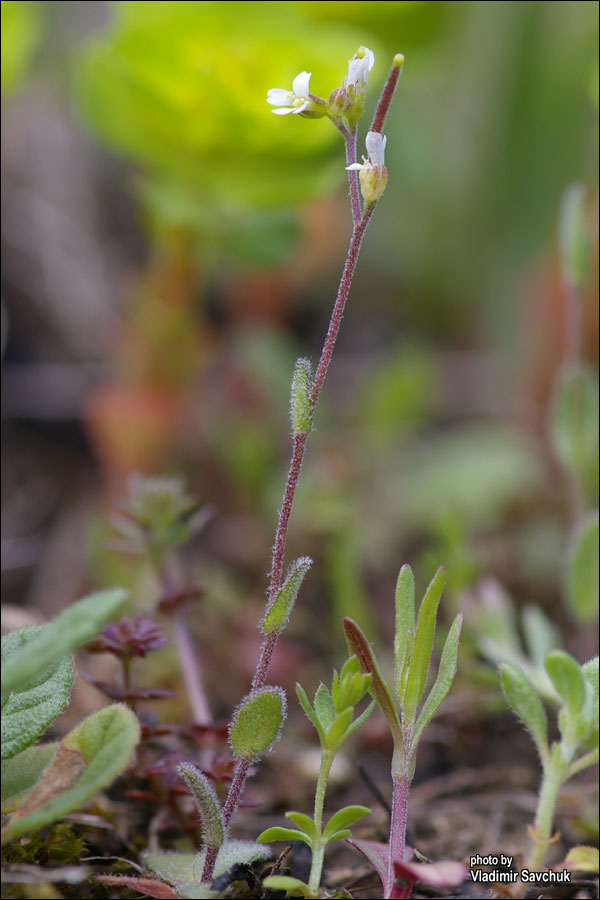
column 387, row 94
column 353, row 182
column 397, row 828
column 544, row 817
column 318, row 850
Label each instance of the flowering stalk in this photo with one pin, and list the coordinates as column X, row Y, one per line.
column 345, row 107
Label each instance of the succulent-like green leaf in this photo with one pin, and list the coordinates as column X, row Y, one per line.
column 72, row 628
column 35, row 703
column 582, row 571
column 344, row 818
column 304, row 822
column 279, row 612
column 567, row 678
column 283, row 834
column 443, row 682
column 300, row 409
column 523, row 699
column 257, row 723
column 88, row 759
column 186, row 868
column 360, row 647
column 293, row 887
column 405, row 625
column 421, row 655
column 573, row 236
column 211, row 816
column 324, row 708
column 20, row 774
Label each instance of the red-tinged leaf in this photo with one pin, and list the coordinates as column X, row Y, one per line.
column 177, row 600
column 122, row 695
column 208, row 734
column 151, row 887
column 377, row 854
column 134, row 794
column 360, row 647
column 443, row 874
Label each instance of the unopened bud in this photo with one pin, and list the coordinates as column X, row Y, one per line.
column 257, row 723
column 300, row 412
column 278, row 614
column 213, row 826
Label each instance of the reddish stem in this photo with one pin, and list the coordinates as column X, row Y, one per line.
column 386, row 98
column 209, row 864
column 353, row 182
column 397, row 830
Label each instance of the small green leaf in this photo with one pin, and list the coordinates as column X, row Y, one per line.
column 522, row 698
column 88, row 759
column 575, row 425
column 582, row 571
column 539, row 633
column 339, row 835
column 283, row 834
column 583, row 859
column 360, row 647
column 211, row 816
column 186, row 868
column 590, row 673
column 344, row 818
column 567, row 678
column 360, row 720
column 324, row 708
column 280, row 610
column 443, row 682
column 308, row 710
column 72, row 628
column 405, row 624
column 419, row 664
column 292, row 886
column 573, row 236
column 20, row 774
column 300, row 410
column 350, row 686
column 257, row 723
column 37, row 702
column 339, row 729
column 304, row 822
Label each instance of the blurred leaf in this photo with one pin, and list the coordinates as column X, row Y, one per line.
column 180, row 868
column 345, row 575
column 582, row 859
column 568, row 680
column 257, row 723
column 522, row 698
column 149, row 887
column 443, row 682
column 21, row 773
column 423, row 645
column 574, row 236
column 582, row 571
column 540, row 634
column 293, row 887
column 21, row 26
column 575, row 425
column 88, row 759
column 37, row 702
column 72, row 628
column 324, row 708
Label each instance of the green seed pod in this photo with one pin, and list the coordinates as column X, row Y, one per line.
column 213, row 826
column 300, row 411
column 257, row 723
column 279, row 612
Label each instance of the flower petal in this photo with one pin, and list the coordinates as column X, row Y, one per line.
column 355, row 166
column 375, row 144
column 279, row 97
column 284, row 111
column 300, row 84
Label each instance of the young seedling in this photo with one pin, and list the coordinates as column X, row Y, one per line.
column 332, row 714
column 577, row 688
column 406, row 710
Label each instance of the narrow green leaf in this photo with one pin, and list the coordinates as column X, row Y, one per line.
column 88, row 759
column 308, row 710
column 405, row 624
column 72, row 628
column 300, row 408
column 211, row 816
column 360, row 720
column 292, row 886
column 279, row 612
column 304, row 822
column 257, row 723
column 443, row 682
column 419, row 664
column 324, row 708
column 344, row 818
column 35, row 703
column 360, row 647
column 339, row 729
column 283, row 834
column 339, row 835
column 582, row 571
column 523, row 699
column 20, row 774
column 573, row 236
column 567, row 678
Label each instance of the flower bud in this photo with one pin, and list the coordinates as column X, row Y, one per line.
column 279, row 612
column 300, row 411
column 257, row 723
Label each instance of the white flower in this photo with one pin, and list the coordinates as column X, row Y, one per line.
column 372, row 171
column 295, row 101
column 359, row 67
column 375, row 144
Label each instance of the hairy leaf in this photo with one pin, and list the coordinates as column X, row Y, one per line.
column 324, row 708
column 20, row 774
column 149, row 887
column 211, row 816
column 419, row 663
column 582, row 571
column 360, row 647
column 300, row 410
column 308, row 710
column 257, row 723
column 280, row 610
column 339, row 729
column 35, row 703
column 72, row 628
column 567, row 678
column 443, row 682
column 523, row 699
column 88, row 759
column 179, row 868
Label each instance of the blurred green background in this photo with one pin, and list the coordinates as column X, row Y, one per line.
column 170, row 247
